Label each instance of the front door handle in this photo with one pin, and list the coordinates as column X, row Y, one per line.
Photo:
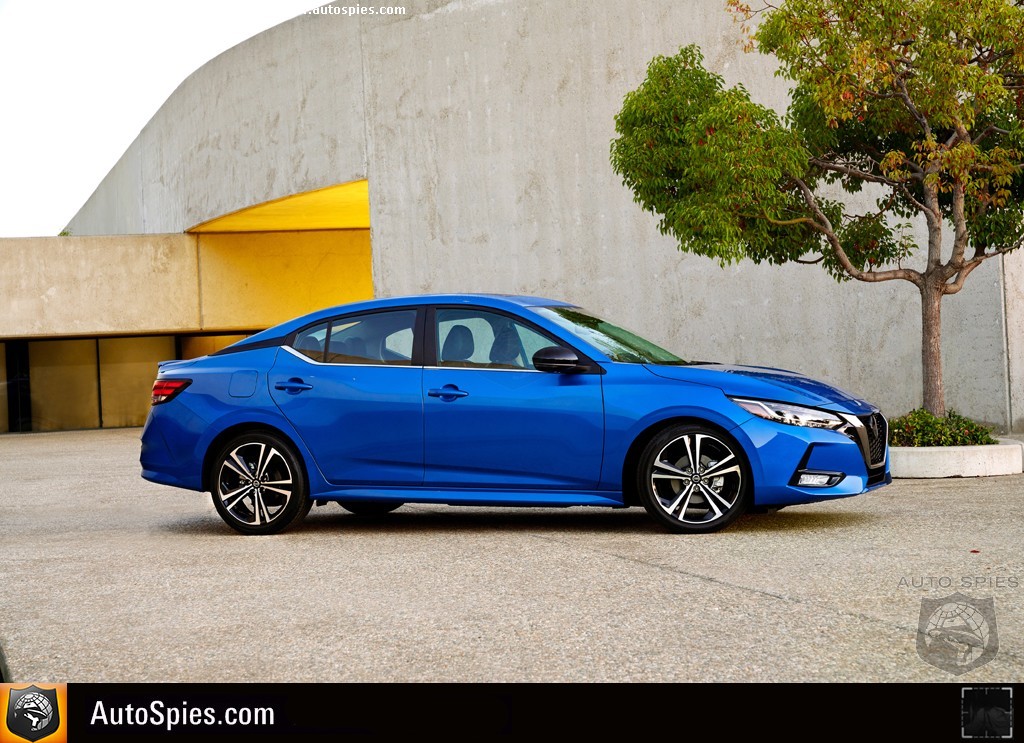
column 448, row 392
column 293, row 386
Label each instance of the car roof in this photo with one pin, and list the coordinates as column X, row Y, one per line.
column 496, row 301
column 522, row 300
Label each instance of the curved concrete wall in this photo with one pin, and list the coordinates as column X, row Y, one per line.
column 276, row 115
column 484, row 130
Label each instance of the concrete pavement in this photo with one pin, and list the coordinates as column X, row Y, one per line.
column 109, row 578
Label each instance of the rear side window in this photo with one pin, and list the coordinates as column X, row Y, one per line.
column 377, row 338
column 311, row 341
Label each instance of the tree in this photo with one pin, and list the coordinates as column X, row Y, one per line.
column 918, row 103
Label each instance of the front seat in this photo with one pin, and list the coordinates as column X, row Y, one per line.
column 458, row 346
column 505, row 349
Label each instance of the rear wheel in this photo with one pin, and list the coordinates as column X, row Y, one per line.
column 258, row 484
column 369, row 507
column 693, row 479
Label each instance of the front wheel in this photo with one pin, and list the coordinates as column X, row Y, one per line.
column 258, row 484
column 693, row 479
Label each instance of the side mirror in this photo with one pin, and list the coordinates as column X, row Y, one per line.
column 556, row 359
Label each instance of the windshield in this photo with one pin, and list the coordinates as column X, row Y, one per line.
column 615, row 342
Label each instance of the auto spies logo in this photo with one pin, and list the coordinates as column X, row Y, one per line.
column 33, row 712
column 957, row 633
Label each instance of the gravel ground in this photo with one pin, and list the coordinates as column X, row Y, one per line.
column 107, row 577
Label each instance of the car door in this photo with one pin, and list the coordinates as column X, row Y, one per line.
column 491, row 420
column 352, row 388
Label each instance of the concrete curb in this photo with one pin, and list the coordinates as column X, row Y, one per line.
column 1004, row 458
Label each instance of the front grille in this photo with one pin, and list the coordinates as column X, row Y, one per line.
column 871, row 437
column 877, row 430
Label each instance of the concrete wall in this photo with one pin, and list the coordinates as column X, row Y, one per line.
column 484, row 130
column 276, row 115
column 157, row 284
column 98, row 285
column 489, row 130
column 1013, row 296
column 153, row 288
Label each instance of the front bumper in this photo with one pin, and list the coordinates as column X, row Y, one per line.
column 781, row 451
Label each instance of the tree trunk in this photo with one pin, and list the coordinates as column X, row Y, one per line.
column 931, row 347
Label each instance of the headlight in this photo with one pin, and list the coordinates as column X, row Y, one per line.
column 794, row 415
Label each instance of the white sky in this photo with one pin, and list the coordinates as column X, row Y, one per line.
column 79, row 79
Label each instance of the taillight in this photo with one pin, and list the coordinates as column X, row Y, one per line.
column 167, row 389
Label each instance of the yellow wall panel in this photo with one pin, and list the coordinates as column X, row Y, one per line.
column 3, row 389
column 128, row 367
column 62, row 377
column 195, row 346
column 255, row 280
column 344, row 206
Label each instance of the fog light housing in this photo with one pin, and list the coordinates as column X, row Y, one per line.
column 817, row 479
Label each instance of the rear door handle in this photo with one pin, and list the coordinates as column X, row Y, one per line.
column 449, row 391
column 292, row 386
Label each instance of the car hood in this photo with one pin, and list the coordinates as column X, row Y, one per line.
column 767, row 384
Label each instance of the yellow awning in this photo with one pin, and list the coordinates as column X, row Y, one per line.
column 345, row 206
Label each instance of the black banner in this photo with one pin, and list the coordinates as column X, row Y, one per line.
column 209, row 712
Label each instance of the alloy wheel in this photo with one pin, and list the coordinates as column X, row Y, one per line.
column 259, row 486
column 695, row 480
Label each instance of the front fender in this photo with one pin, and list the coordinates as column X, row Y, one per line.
column 634, row 405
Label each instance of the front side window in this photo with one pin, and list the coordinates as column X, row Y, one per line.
column 377, row 338
column 486, row 340
column 616, row 343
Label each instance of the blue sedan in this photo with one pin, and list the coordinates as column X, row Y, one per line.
column 490, row 400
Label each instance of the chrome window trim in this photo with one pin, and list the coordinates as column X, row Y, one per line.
column 484, row 368
column 300, row 355
column 303, row 357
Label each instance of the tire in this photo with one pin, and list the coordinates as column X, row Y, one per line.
column 687, row 502
column 258, row 484
column 369, row 507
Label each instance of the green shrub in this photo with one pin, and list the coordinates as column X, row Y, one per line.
column 921, row 428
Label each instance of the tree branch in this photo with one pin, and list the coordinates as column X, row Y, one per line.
column 823, row 226
column 933, row 215
column 853, row 172
column 960, row 235
column 977, row 260
column 904, row 95
column 913, row 200
column 786, row 222
column 877, row 156
column 990, row 129
column 962, row 275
